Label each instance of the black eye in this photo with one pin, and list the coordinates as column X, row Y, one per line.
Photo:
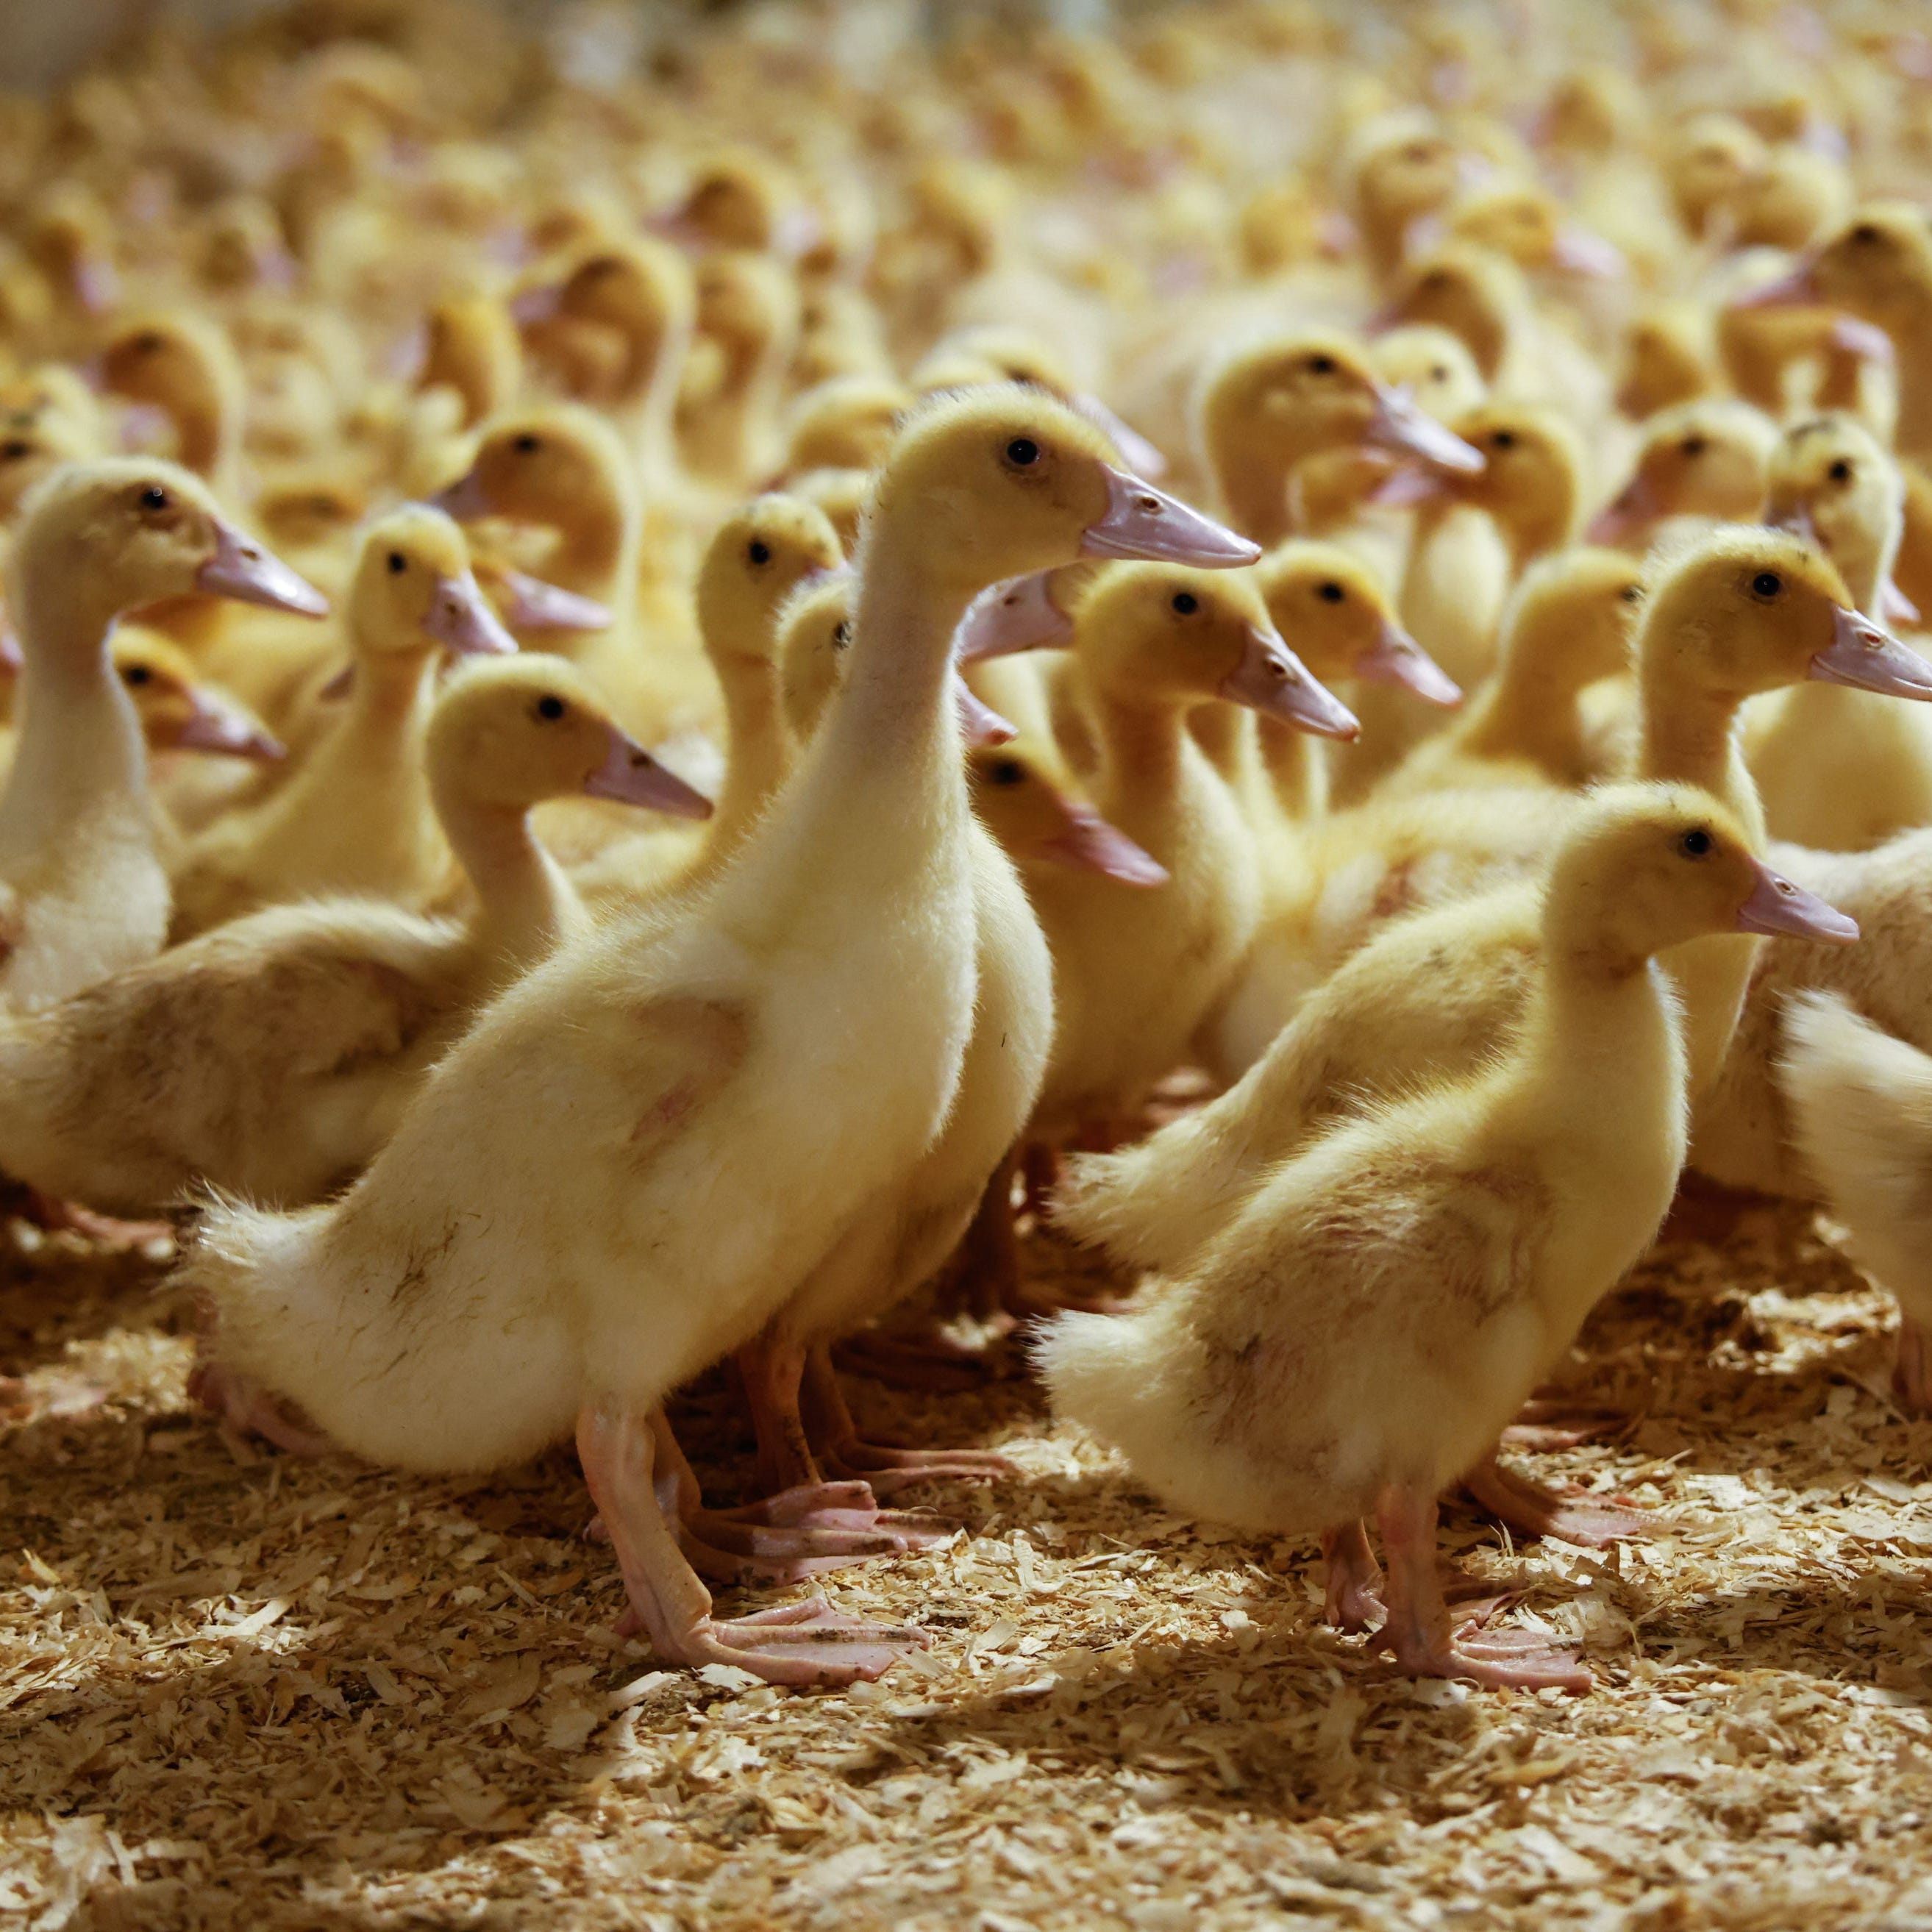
column 1007, row 771
column 12, row 452
column 1695, row 445
column 146, row 344
column 154, row 497
column 760, row 551
column 1438, row 374
column 1331, row 593
column 1864, row 232
column 1504, row 439
column 397, row 563
column 526, row 445
column 1321, row 365
column 550, row 708
column 1185, row 602
column 841, row 634
column 137, row 674
column 1767, row 583
column 1696, row 843
column 1022, row 452
column 1841, row 472
column 1632, row 593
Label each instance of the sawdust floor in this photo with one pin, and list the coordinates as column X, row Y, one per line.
column 241, row 1691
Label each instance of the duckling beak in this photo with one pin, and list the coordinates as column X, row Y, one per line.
column 535, row 605
column 217, row 724
column 1798, row 288
column 1869, row 659
column 978, row 722
column 461, row 620
column 1139, row 455
column 241, row 568
column 1893, row 606
column 1633, row 506
column 1271, row 679
column 535, row 305
column 1797, row 522
column 98, row 283
column 1140, row 521
column 1582, row 251
column 1090, row 845
column 1856, row 336
column 466, row 500
column 1396, row 658
column 1017, row 615
column 1403, row 428
column 631, row 776
column 1781, row 906
column 13, row 659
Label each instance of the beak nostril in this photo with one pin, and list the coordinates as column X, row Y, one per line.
column 1152, row 505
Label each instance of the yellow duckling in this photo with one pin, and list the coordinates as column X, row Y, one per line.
column 83, row 892
column 291, row 1039
column 33, row 445
column 846, row 422
column 847, row 929
column 183, row 365
column 1707, row 458
column 357, row 818
column 1669, row 356
column 728, row 431
column 1570, row 623
column 1361, row 1331
column 1838, row 768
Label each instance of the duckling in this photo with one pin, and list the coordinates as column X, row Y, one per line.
column 357, row 817
column 1268, row 408
column 1360, row 1332
column 1838, row 769
column 183, row 364
column 1570, row 623
column 704, row 1043
column 1404, row 168
column 1669, row 356
column 1706, row 458
column 82, row 889
column 34, row 445
column 270, row 1058
column 471, row 348
column 847, row 422
column 748, row 308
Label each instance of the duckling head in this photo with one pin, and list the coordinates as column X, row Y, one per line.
column 1746, row 610
column 1524, row 221
column 1407, row 167
column 757, row 559
column 1831, row 481
column 747, row 301
column 413, row 593
column 1532, row 461
column 1004, row 480
column 471, row 346
column 1170, row 635
column 555, row 466
column 1024, row 795
column 167, row 359
column 1471, row 292
column 1712, row 158
column 814, row 631
column 638, row 285
column 1704, row 458
column 1793, row 200
column 124, row 532
column 32, row 446
column 1878, row 266
column 302, row 511
column 179, row 712
column 508, row 733
column 1645, row 867
column 1433, row 365
column 1578, row 610
column 1343, row 621
column 1669, row 358
column 738, row 199
column 846, row 423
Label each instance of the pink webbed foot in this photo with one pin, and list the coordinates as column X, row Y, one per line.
column 243, row 1406
column 1530, row 1510
column 802, row 1532
column 805, row 1645
column 1353, row 1601
column 841, row 1450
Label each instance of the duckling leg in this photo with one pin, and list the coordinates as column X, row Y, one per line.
column 1354, row 1593
column 1912, row 1372
column 1533, row 1511
column 1418, row 1629
column 886, row 1466
column 249, row 1409
column 807, row 1643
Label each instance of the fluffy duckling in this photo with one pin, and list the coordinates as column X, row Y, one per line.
column 1839, row 769
column 184, row 364
column 1570, row 623
column 471, row 348
column 33, row 445
column 270, row 1058
column 747, row 312
column 1669, row 355
column 1269, row 408
column 1360, row 1332
column 846, row 925
column 83, row 892
column 1706, row 458
column 848, row 422
column 357, row 817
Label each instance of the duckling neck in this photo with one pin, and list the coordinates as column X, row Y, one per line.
column 79, row 751
column 1253, row 486
column 1534, row 530
column 759, row 751
column 896, row 708
column 1142, row 746
column 1914, row 433
column 208, row 438
column 526, row 906
column 1690, row 738
column 598, row 554
column 1297, row 766
column 1526, row 709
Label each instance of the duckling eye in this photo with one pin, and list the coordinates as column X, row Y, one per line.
column 1022, row 452
column 1864, row 233
column 1321, row 365
column 759, row 552
column 137, row 674
column 841, row 634
column 1694, row 445
column 154, row 497
column 549, row 709
column 1331, row 593
column 1767, row 583
column 1504, row 439
column 1696, row 843
column 1185, row 602
column 1841, row 472
column 145, row 343
column 397, row 563
column 1007, row 771
column 12, row 452
column 526, row 445
column 1632, row 593
column 1439, row 374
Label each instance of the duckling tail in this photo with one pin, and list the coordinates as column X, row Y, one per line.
column 1125, row 1377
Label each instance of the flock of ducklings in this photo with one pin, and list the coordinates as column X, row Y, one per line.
column 619, row 762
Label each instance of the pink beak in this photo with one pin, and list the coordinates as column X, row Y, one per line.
column 1865, row 339
column 1894, row 606
column 466, row 500
column 1090, row 845
column 536, row 305
column 1633, row 506
column 1401, row 428
column 535, row 605
column 1140, row 521
column 241, row 569
column 1582, row 251
column 1396, row 658
column 1867, row 659
column 461, row 620
column 1781, row 906
column 217, row 724
column 1018, row 615
column 1271, row 679
column 13, row 660
column 1796, row 288
column 631, row 776
column 979, row 724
